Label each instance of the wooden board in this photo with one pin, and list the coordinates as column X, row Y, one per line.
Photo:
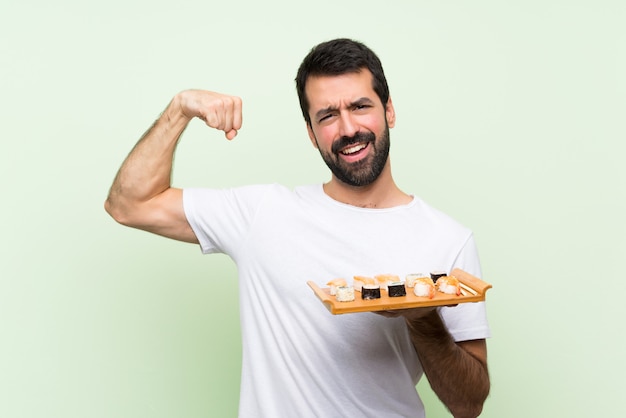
column 472, row 290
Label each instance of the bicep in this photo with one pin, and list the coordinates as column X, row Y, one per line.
column 164, row 215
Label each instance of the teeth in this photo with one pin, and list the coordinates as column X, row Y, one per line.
column 353, row 149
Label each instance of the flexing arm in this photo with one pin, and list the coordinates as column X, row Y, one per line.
column 141, row 195
column 457, row 372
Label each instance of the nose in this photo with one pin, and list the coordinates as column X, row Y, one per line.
column 347, row 124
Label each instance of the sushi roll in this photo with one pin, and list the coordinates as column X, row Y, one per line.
column 334, row 284
column 449, row 285
column 385, row 279
column 345, row 294
column 411, row 278
column 424, row 287
column 370, row 291
column 396, row 289
column 436, row 274
column 359, row 281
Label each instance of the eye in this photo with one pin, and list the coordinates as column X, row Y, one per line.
column 325, row 117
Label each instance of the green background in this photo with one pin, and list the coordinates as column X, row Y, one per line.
column 510, row 117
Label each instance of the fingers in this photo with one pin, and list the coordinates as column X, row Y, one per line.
column 411, row 313
column 224, row 113
column 231, row 134
column 218, row 111
column 388, row 314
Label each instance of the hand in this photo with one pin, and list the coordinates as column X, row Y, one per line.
column 217, row 110
column 409, row 314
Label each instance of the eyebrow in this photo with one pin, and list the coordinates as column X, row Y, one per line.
column 330, row 109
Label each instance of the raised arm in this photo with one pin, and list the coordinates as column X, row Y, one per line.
column 141, row 195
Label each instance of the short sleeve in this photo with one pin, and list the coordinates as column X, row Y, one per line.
column 467, row 321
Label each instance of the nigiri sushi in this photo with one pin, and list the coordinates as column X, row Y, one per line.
column 385, row 279
column 412, row 277
column 436, row 274
column 359, row 281
column 449, row 285
column 424, row 287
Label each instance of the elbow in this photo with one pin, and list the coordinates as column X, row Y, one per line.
column 473, row 407
column 467, row 411
column 131, row 213
column 117, row 211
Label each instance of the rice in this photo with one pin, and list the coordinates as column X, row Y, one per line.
column 345, row 293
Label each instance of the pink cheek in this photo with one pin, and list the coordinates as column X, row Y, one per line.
column 326, row 135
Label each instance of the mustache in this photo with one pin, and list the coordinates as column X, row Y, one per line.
column 359, row 137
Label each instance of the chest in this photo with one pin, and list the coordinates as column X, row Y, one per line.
column 290, row 245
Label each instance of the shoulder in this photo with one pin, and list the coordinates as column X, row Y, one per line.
column 438, row 217
column 237, row 198
column 254, row 191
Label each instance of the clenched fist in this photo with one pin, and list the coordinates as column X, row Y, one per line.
column 219, row 111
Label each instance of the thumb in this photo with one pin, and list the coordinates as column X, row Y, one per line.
column 231, row 134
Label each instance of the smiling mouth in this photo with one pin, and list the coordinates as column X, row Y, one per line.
column 353, row 149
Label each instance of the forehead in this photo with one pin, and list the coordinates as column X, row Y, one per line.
column 333, row 91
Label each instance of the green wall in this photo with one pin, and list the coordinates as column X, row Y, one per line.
column 510, row 117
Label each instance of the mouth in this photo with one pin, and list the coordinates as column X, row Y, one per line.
column 353, row 149
column 354, row 152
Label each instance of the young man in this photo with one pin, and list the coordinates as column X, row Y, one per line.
column 298, row 360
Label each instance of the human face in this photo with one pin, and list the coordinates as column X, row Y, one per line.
column 350, row 126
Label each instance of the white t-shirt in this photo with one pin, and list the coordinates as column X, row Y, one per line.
column 298, row 359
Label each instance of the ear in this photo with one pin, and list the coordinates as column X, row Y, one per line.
column 390, row 113
column 309, row 130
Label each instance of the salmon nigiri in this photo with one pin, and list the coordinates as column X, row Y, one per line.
column 359, row 281
column 449, row 285
column 385, row 279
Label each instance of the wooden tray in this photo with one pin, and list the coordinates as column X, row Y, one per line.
column 472, row 290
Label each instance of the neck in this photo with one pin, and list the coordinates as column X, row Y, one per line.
column 382, row 193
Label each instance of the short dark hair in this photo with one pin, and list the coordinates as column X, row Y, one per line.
column 336, row 57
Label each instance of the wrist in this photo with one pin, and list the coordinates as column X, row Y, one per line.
column 175, row 111
column 428, row 326
column 173, row 121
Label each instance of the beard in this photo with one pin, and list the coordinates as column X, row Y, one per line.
column 365, row 171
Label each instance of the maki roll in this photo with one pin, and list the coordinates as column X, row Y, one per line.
column 396, row 289
column 436, row 274
column 370, row 291
column 334, row 284
column 345, row 294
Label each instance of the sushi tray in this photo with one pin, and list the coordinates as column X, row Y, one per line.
column 472, row 289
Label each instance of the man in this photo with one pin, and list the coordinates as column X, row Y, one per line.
column 298, row 360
